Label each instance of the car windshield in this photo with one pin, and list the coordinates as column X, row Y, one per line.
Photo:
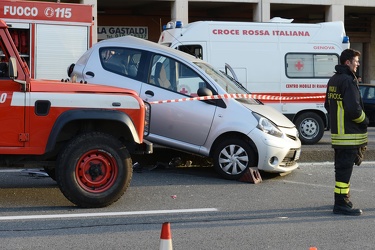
column 226, row 82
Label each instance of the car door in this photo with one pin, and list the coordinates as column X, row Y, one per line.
column 368, row 97
column 12, row 106
column 179, row 123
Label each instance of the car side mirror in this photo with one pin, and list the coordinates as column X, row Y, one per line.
column 13, row 68
column 70, row 69
column 204, row 92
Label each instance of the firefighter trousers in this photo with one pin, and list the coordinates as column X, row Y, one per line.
column 344, row 162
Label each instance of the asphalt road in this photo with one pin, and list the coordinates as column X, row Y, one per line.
column 288, row 212
column 292, row 212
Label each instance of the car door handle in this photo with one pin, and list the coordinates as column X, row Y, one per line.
column 149, row 92
column 90, row 73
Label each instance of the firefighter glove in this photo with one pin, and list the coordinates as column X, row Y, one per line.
column 360, row 154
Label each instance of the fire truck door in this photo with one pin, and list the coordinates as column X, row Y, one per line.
column 12, row 107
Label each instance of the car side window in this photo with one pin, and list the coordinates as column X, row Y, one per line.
column 175, row 76
column 371, row 94
column 362, row 92
column 122, row 61
column 3, row 62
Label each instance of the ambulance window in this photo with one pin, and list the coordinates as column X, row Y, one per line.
column 299, row 65
column 122, row 61
column 194, row 50
column 170, row 74
column 3, row 61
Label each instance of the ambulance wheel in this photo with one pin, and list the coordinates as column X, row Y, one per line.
column 94, row 170
column 310, row 127
column 232, row 157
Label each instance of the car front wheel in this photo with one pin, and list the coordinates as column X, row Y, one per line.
column 232, row 157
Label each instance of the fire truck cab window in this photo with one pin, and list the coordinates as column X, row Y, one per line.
column 3, row 62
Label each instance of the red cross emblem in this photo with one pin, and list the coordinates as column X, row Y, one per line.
column 184, row 91
column 299, row 65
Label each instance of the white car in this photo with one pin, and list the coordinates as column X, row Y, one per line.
column 237, row 133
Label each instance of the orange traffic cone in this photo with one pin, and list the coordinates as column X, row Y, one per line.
column 166, row 237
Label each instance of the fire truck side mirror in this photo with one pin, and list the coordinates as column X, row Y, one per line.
column 13, row 68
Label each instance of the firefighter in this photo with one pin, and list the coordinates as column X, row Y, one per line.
column 349, row 123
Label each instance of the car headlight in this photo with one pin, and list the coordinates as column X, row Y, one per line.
column 267, row 126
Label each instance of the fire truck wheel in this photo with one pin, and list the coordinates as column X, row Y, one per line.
column 232, row 157
column 94, row 170
column 310, row 127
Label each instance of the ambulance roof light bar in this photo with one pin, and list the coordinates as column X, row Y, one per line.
column 173, row 25
column 179, row 24
column 345, row 39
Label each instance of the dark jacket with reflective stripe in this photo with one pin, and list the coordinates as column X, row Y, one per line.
column 345, row 107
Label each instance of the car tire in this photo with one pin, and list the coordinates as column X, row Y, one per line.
column 310, row 127
column 232, row 157
column 94, row 170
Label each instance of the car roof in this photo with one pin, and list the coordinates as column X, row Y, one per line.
column 135, row 42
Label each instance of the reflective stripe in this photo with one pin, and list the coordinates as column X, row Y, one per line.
column 342, row 188
column 341, row 191
column 340, row 118
column 349, row 139
column 361, row 118
column 342, row 184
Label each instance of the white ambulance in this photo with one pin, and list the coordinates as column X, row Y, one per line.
column 289, row 64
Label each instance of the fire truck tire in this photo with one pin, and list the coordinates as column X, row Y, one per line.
column 94, row 170
column 310, row 128
column 232, row 157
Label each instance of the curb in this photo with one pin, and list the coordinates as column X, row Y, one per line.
column 316, row 155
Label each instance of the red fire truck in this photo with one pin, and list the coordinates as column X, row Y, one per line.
column 48, row 35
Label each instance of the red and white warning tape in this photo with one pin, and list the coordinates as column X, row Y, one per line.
column 237, row 96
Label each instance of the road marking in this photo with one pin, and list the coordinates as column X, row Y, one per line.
column 84, row 215
column 10, row 170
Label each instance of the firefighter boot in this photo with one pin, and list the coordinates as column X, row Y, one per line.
column 348, row 202
column 344, row 206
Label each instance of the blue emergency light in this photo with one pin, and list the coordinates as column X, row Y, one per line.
column 173, row 25
column 345, row 39
column 179, row 24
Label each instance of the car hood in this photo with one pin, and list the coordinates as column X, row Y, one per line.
column 272, row 114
